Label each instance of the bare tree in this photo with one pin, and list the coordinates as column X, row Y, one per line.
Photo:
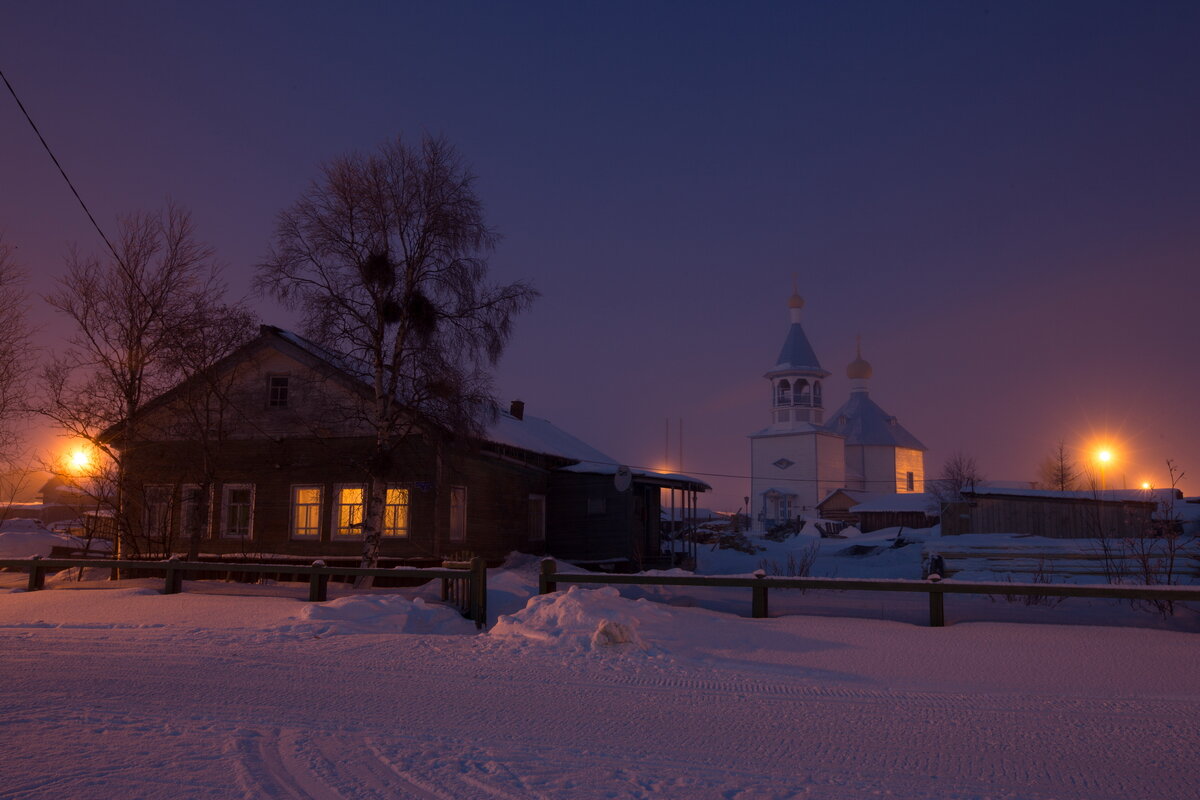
column 959, row 473
column 128, row 310
column 386, row 256
column 14, row 354
column 1058, row 472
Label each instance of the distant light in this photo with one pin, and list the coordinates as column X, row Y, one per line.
column 1105, row 456
column 1146, row 485
column 79, row 461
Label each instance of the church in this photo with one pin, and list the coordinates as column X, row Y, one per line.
column 804, row 454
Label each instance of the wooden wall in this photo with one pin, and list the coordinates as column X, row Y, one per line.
column 1066, row 518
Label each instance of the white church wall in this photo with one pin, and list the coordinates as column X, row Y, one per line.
column 817, row 467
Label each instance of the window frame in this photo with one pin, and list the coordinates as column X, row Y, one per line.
column 294, row 507
column 396, row 531
column 283, row 400
column 189, row 507
column 537, row 525
column 336, row 504
column 458, row 514
column 167, row 492
column 226, row 490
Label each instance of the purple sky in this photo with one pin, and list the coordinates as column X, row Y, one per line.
column 1003, row 199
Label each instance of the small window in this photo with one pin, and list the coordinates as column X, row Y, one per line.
column 910, row 480
column 596, row 505
column 783, row 393
column 277, row 391
column 237, row 510
column 458, row 513
column 537, row 517
column 349, row 510
column 306, row 512
column 395, row 512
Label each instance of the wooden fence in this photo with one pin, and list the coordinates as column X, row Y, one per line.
column 463, row 582
column 937, row 589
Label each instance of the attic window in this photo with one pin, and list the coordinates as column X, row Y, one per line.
column 277, row 391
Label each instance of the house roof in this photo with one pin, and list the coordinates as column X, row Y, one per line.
column 1107, row 495
column 538, row 435
column 879, row 502
column 863, row 422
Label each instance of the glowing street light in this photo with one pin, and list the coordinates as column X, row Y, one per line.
column 1103, row 457
column 80, row 460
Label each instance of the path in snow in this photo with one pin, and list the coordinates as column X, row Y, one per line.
column 719, row 707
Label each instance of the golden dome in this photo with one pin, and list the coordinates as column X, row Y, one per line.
column 860, row 368
column 795, row 301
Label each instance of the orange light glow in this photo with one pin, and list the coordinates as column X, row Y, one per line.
column 1104, row 456
column 80, row 460
column 1146, row 485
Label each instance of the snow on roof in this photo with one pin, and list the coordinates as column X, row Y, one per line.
column 530, row 433
column 1107, row 495
column 863, row 422
column 539, row 435
column 883, row 501
column 797, row 353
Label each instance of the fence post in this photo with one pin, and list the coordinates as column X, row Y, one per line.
column 758, row 597
column 37, row 575
column 937, row 607
column 318, row 584
column 479, row 591
column 173, row 578
column 546, row 582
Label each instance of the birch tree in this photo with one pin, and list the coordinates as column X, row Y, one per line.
column 385, row 254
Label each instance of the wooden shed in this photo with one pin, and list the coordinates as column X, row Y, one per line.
column 1064, row 515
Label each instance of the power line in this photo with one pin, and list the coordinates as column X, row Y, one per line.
column 61, row 171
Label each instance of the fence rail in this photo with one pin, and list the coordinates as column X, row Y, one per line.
column 936, row 589
column 464, row 581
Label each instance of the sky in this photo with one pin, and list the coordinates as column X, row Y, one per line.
column 1002, row 199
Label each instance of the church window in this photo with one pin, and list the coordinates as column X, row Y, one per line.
column 783, row 463
column 783, row 393
column 816, row 393
column 911, row 481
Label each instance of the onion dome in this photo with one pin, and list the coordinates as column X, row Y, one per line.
column 796, row 301
column 860, row 368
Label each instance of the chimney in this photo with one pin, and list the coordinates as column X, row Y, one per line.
column 517, row 409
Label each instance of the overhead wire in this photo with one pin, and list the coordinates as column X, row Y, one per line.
column 61, row 171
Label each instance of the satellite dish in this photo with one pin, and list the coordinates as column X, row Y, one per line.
column 622, row 479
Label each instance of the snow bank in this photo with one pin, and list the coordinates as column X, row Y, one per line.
column 31, row 538
column 582, row 619
column 376, row 613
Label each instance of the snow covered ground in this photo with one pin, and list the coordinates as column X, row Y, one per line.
column 236, row 691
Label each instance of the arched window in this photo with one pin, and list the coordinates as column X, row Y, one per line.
column 783, row 393
column 816, row 398
column 801, row 396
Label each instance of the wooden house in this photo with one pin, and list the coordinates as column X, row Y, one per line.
column 278, row 470
column 873, row 511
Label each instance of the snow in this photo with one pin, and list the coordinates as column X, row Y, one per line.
column 241, row 690
column 25, row 538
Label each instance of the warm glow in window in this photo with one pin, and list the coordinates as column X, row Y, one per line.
column 395, row 512
column 306, row 511
column 351, row 502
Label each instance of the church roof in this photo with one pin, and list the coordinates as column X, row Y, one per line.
column 797, row 353
column 863, row 422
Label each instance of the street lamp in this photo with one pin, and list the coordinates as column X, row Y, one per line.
column 1103, row 457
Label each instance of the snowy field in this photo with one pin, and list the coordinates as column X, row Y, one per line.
column 239, row 691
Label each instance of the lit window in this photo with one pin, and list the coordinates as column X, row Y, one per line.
column 237, row 510
column 395, row 512
column 306, row 512
column 910, row 479
column 349, row 510
column 277, row 391
column 458, row 513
